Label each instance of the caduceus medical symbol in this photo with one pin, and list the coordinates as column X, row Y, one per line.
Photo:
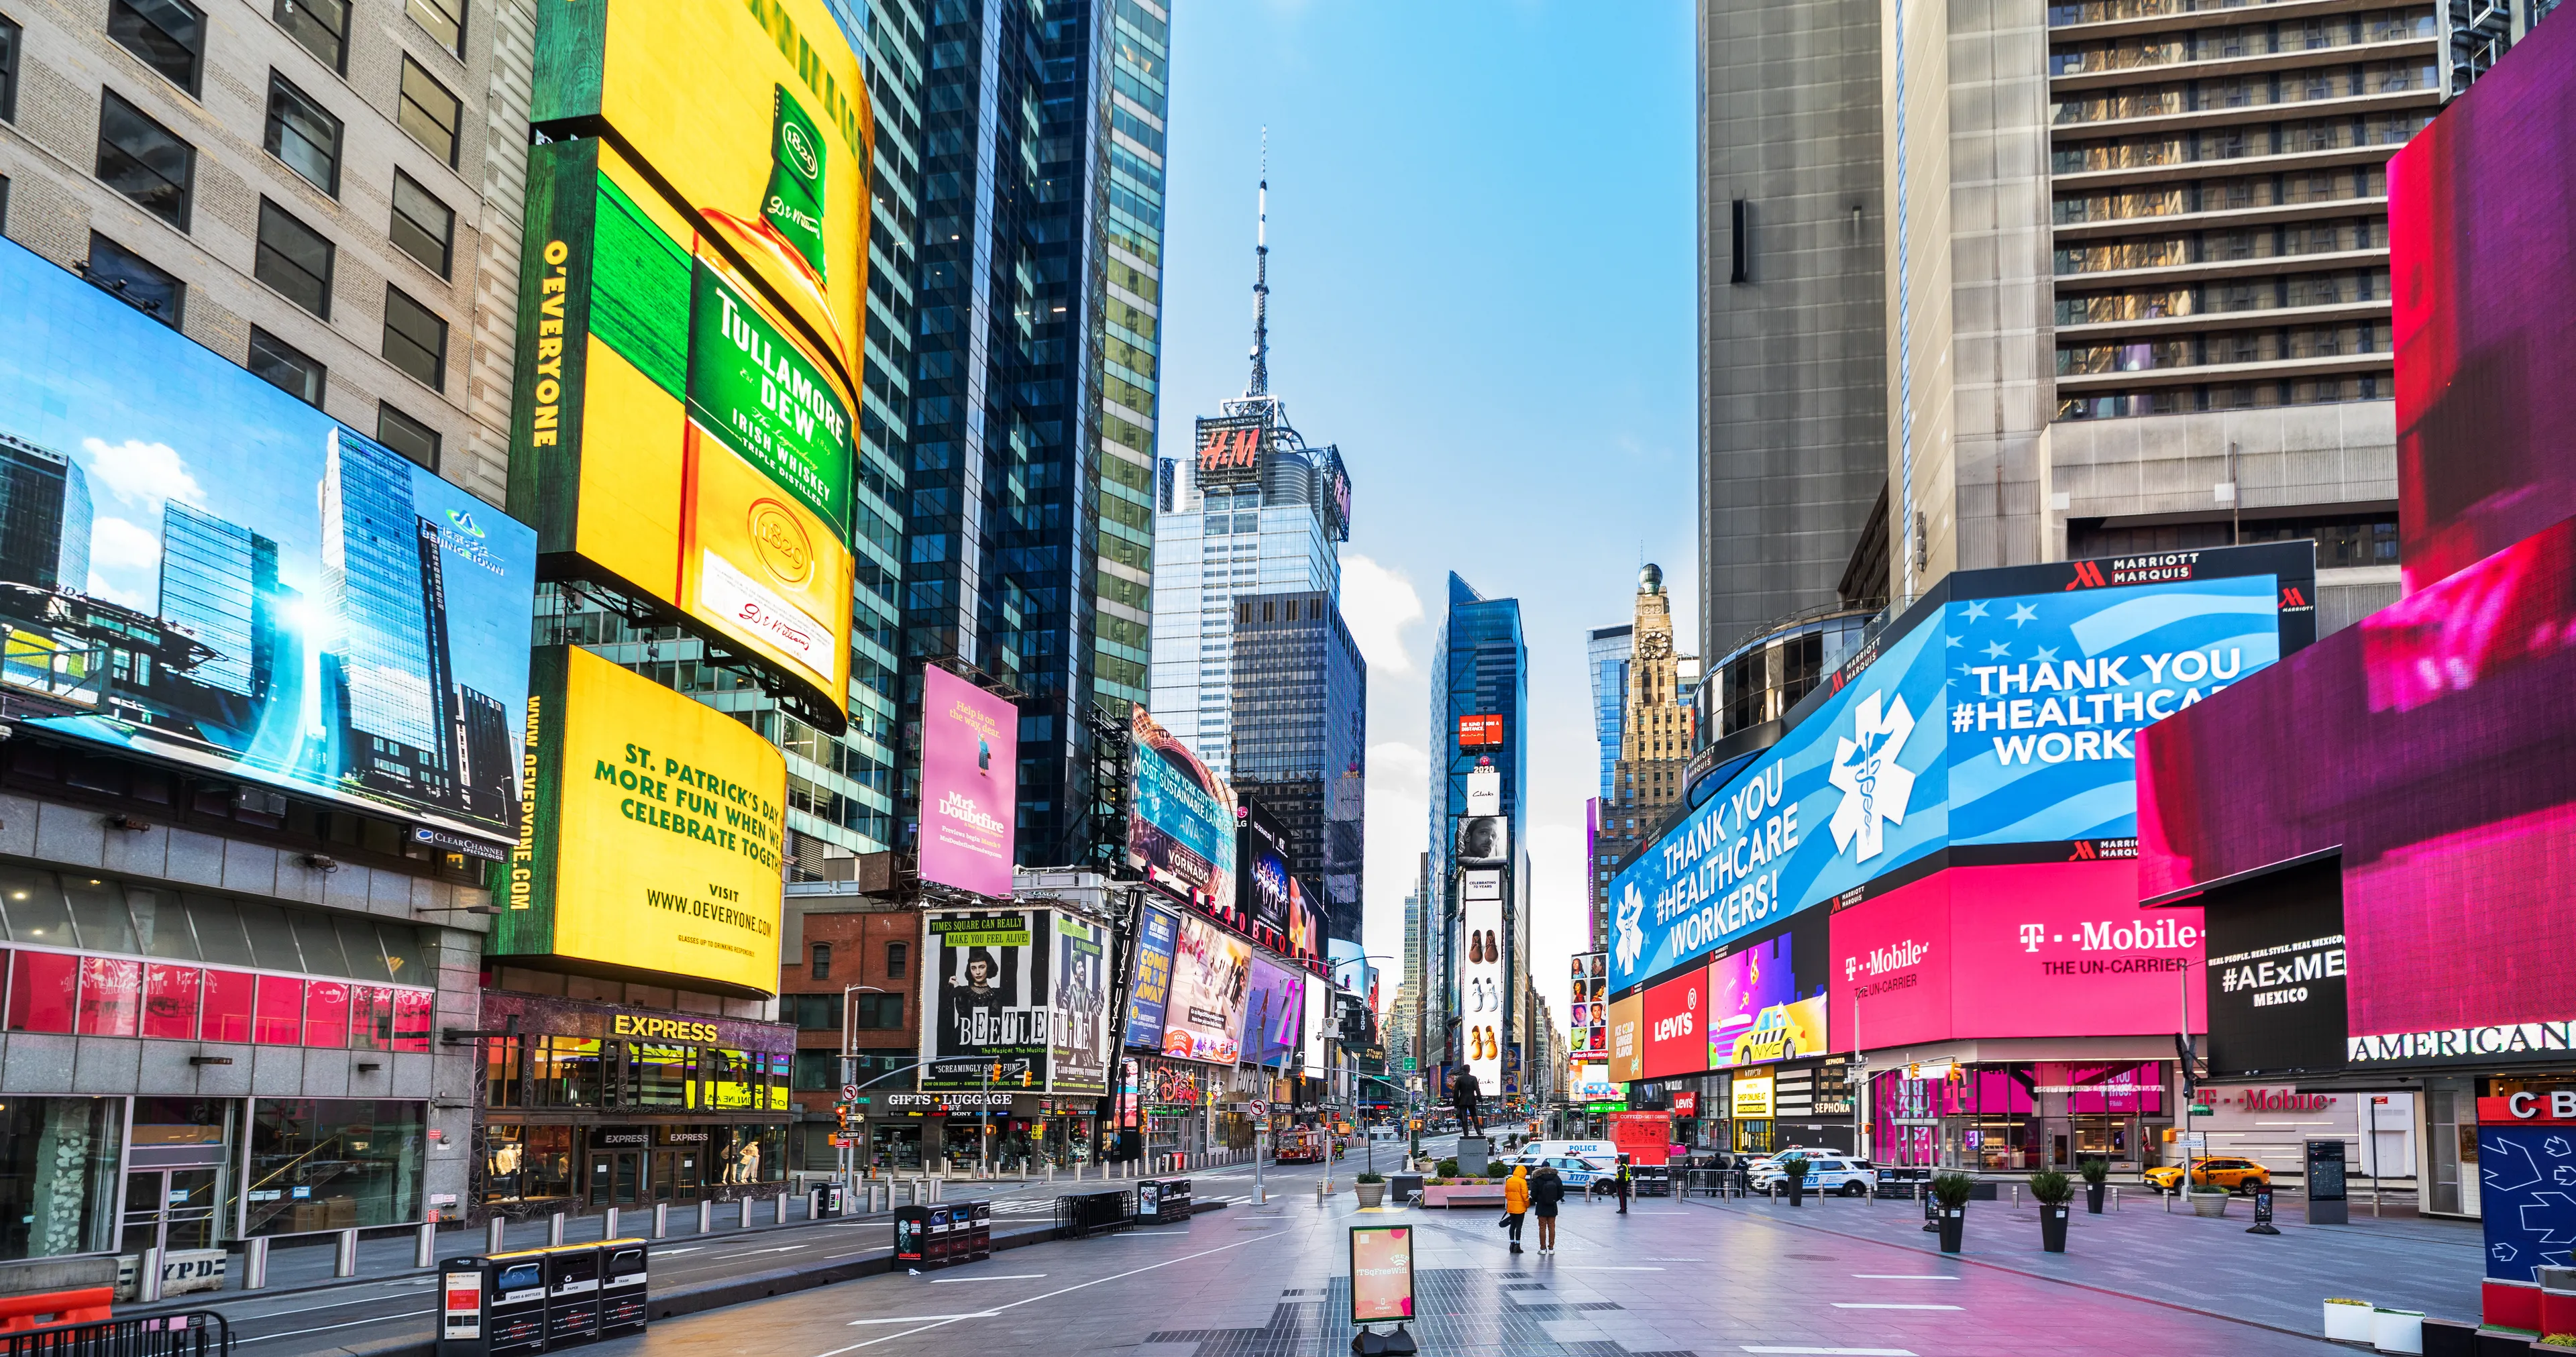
column 1874, row 788
column 1632, row 939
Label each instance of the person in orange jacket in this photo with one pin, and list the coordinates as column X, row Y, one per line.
column 1516, row 1202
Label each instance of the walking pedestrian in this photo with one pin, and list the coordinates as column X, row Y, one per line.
column 1623, row 1185
column 1516, row 1202
column 1546, row 1189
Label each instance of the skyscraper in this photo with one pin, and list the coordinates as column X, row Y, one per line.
column 1605, row 659
column 1253, row 510
column 44, row 517
column 1479, row 711
column 217, row 579
column 1654, row 738
column 1029, row 524
column 1300, row 738
column 372, row 584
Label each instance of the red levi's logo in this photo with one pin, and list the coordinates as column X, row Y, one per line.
column 2088, row 575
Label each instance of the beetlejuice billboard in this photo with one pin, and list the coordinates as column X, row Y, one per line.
column 2002, row 708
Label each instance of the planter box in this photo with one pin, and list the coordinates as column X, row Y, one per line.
column 1455, row 1194
column 2347, row 1323
column 2400, row 1331
column 1369, row 1194
column 2215, row 1204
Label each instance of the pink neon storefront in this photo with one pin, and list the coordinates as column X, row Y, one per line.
column 2017, row 1016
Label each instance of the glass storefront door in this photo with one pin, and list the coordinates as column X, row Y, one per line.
column 615, row 1176
column 675, row 1175
column 169, row 1209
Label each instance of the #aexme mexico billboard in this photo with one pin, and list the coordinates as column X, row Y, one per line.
column 2002, row 709
column 201, row 568
column 651, row 842
column 970, row 762
column 689, row 299
column 1180, row 821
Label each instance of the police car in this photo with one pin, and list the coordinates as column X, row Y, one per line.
column 1825, row 1173
column 1580, row 1173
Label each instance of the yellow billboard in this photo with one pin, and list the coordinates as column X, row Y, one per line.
column 750, row 116
column 649, row 841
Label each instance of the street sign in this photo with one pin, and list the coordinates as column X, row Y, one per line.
column 849, row 1093
column 2201, row 1110
column 1260, row 1108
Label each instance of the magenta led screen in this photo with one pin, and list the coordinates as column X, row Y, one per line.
column 970, row 768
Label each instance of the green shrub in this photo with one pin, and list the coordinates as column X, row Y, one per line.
column 2095, row 1171
column 2559, row 1340
column 2051, row 1188
column 1371, row 1178
column 1448, row 1168
column 1952, row 1189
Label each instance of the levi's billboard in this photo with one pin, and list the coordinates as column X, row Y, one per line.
column 2056, row 949
column 2002, row 709
column 1676, row 1026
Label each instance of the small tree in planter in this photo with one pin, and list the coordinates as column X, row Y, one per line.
column 2052, row 1191
column 2208, row 1200
column 1371, row 1189
column 2096, row 1172
column 1793, row 1171
column 1951, row 1190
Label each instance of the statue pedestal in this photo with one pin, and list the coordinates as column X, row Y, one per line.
column 1474, row 1155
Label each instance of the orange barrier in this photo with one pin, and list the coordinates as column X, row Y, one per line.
column 86, row 1306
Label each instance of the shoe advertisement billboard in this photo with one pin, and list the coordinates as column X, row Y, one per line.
column 1181, row 830
column 970, row 769
column 201, row 569
column 1203, row 1019
column 1482, row 979
column 651, row 839
column 2001, row 709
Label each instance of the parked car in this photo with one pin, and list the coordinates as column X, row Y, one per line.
column 2236, row 1175
column 1825, row 1173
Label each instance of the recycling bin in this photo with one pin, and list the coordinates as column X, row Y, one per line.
column 823, row 1200
column 491, row 1305
column 572, row 1293
column 622, row 1303
column 980, row 1231
column 1162, row 1201
column 911, row 1237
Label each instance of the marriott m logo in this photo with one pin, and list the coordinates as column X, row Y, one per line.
column 2292, row 597
column 2088, row 575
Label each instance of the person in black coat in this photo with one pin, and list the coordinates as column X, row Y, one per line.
column 1623, row 1185
column 1546, row 1191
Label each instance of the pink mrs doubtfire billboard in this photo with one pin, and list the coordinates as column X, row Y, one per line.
column 2029, row 950
column 970, row 763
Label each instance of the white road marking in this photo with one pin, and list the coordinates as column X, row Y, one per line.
column 1611, row 1269
column 1907, row 1276
column 996, row 1277
column 1841, row 1352
column 746, row 1253
column 1870, row 1305
column 1032, row 1300
column 326, row 1328
column 920, row 1319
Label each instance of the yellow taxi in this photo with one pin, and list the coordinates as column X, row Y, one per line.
column 2236, row 1175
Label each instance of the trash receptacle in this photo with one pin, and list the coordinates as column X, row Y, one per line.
column 623, row 1300
column 824, row 1200
column 572, row 1293
column 980, row 1238
column 911, row 1235
column 1160, row 1201
column 490, row 1305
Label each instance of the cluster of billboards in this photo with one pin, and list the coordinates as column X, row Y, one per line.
column 690, row 306
column 2003, row 709
column 200, row 568
column 1017, row 999
column 1199, row 992
column 1588, row 1013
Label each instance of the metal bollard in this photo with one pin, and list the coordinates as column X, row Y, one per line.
column 661, row 1220
column 147, row 1276
column 2115, row 1199
column 555, row 1230
column 706, row 1216
column 344, row 1263
column 255, row 1263
column 608, row 1224
column 493, row 1229
column 935, row 1187
column 424, row 1245
column 778, row 1209
column 2016, row 1196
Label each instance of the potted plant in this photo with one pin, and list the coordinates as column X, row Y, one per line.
column 2052, row 1190
column 2347, row 1320
column 1952, row 1189
column 1447, row 1168
column 1793, row 1172
column 2096, row 1173
column 2208, row 1200
column 1371, row 1189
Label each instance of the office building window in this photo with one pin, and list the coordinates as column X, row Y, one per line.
column 428, row 112
column 822, row 958
column 876, row 1012
column 11, row 36
column 295, row 259
column 285, row 367
column 813, row 1012
column 441, row 19
column 322, row 26
column 896, row 955
column 407, row 435
column 167, row 35
column 304, row 135
column 142, row 160
column 415, row 339
column 423, row 227
column 142, row 284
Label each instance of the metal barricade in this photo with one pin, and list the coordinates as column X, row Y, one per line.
column 193, row 1333
column 1082, row 1214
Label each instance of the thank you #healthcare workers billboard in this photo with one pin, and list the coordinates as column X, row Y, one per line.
column 2001, row 709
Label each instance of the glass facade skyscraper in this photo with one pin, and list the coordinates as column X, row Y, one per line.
column 1479, row 667
column 44, row 517
column 1300, row 738
column 219, row 580
column 1605, row 659
column 372, row 581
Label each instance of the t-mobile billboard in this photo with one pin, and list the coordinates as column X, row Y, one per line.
column 2057, row 949
column 2003, row 709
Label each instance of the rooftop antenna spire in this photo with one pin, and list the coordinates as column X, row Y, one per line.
column 1261, row 282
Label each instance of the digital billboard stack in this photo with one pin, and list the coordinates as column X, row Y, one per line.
column 1588, row 1014
column 1017, row 999
column 690, row 321
column 201, row 569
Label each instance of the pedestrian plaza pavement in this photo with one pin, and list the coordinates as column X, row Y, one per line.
column 1672, row 1277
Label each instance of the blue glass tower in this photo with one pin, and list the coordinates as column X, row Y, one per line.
column 1479, row 667
column 371, row 572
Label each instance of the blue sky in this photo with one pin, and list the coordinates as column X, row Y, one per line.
column 1481, row 272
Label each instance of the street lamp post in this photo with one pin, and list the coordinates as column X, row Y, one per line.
column 849, row 1069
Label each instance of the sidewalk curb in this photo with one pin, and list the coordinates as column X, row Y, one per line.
column 717, row 1295
column 2020, row 1272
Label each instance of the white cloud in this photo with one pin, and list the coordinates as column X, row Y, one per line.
column 99, row 587
column 142, row 474
column 116, row 544
column 1377, row 605
column 1402, row 768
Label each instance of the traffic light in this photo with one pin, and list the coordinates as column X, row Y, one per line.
column 1024, row 1078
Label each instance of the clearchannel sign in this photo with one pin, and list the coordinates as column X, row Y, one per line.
column 2001, row 709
